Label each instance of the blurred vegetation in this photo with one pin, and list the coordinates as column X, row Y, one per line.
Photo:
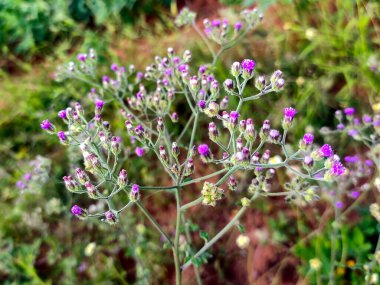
column 323, row 47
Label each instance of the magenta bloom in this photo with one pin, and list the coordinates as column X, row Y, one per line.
column 289, row 113
column 109, row 216
column 27, row 176
column 114, row 67
column 140, row 151
column 46, row 125
column 82, row 57
column 76, row 210
column 215, row 23
column 353, row 132
column 238, row 26
column 355, row 194
column 202, row 104
column 308, row 138
column 338, row 169
column 248, row 65
column 339, row 204
column 369, row 162
column 135, row 189
column 20, row 184
column 99, row 104
column 351, row 159
column 340, row 127
column 367, row 119
column 62, row 114
column 234, row 116
column 139, row 75
column 326, row 151
column 202, row 69
column 204, row 150
column 61, row 135
column 349, row 111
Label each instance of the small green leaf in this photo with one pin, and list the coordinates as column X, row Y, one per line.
column 241, row 228
column 204, row 235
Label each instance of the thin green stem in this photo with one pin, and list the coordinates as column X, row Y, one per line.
column 220, row 234
column 153, row 221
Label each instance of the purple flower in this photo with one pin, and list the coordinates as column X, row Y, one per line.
column 134, row 195
column 82, row 57
column 61, row 135
column 238, row 26
column 20, row 184
column 62, row 114
column 308, row 139
column 289, row 113
column 139, row 75
column 340, row 127
column 234, row 116
column 326, row 151
column 355, row 194
column 202, row 69
column 339, row 204
column 27, row 176
column 349, row 111
column 204, row 150
column 105, row 79
column 202, row 104
column 369, row 162
column 215, row 23
column 367, row 119
column 351, row 159
column 46, row 125
column 135, row 189
column 99, row 104
column 76, row 210
column 338, row 169
column 248, row 65
column 353, row 133
column 114, row 67
column 110, row 217
column 140, row 151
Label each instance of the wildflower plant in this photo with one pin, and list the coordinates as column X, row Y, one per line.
column 235, row 144
column 365, row 130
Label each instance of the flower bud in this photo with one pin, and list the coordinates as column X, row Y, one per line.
column 235, row 69
column 70, row 183
column 81, row 176
column 110, row 217
column 189, row 167
column 224, row 103
column 122, row 179
column 163, row 153
column 232, row 183
column 249, row 133
column 213, row 131
column 134, row 195
column 212, row 109
column 79, row 212
column 175, row 149
column 307, row 141
column 115, row 145
column 47, row 126
column 228, row 85
column 90, row 189
column 174, row 117
column 260, row 82
column 264, row 131
column 204, row 152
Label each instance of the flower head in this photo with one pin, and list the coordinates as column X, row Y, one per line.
column 62, row 114
column 134, row 195
column 140, row 151
column 289, row 113
column 248, row 65
column 61, row 135
column 350, row 111
column 308, row 139
column 338, row 169
column 99, row 104
column 204, row 150
column 238, row 26
column 76, row 210
column 326, row 151
column 46, row 125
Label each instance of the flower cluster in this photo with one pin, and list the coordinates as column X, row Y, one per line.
column 211, row 193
